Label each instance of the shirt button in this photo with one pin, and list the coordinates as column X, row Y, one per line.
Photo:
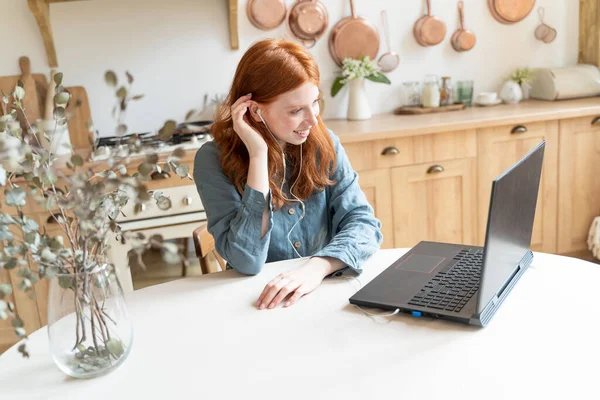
column 297, row 245
column 291, row 211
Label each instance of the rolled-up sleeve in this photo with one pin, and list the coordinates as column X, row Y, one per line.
column 234, row 221
column 356, row 231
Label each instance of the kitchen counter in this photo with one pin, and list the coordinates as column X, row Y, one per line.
column 388, row 125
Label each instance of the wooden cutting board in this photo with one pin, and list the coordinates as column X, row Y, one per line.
column 8, row 83
column 31, row 102
column 412, row 110
column 78, row 131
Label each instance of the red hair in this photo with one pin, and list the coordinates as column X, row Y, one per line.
column 268, row 69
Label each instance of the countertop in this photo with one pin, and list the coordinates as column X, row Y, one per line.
column 388, row 125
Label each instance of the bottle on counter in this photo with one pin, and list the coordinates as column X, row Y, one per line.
column 446, row 92
column 431, row 92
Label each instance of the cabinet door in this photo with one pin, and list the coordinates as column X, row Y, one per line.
column 578, row 182
column 376, row 186
column 498, row 149
column 434, row 202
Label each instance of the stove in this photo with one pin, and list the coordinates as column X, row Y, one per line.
column 187, row 136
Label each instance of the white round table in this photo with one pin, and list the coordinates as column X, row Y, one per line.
column 203, row 338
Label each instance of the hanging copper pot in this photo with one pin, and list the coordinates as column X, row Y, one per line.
column 353, row 37
column 308, row 21
column 266, row 14
column 429, row 30
column 510, row 11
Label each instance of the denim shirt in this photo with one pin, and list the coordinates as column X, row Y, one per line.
column 339, row 222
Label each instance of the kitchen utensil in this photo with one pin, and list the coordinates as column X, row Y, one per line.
column 266, row 14
column 488, row 103
column 49, row 101
column 462, row 39
column 31, row 102
column 234, row 37
column 80, row 136
column 353, row 37
column 544, row 32
column 581, row 80
column 307, row 21
column 487, row 97
column 415, row 110
column 429, row 30
column 388, row 61
column 510, row 11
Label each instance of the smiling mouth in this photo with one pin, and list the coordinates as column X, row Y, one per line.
column 304, row 132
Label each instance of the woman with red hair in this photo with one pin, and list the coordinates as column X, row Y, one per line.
column 276, row 184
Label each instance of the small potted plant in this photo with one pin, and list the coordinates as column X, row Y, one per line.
column 355, row 72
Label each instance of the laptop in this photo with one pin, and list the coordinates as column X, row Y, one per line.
column 464, row 283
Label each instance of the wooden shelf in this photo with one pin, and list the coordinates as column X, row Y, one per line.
column 41, row 11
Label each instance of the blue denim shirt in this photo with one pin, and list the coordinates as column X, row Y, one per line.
column 339, row 222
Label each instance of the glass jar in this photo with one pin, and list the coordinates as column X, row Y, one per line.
column 89, row 328
column 431, row 92
column 446, row 92
column 411, row 93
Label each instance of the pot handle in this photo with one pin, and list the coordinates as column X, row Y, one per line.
column 309, row 44
column 352, row 8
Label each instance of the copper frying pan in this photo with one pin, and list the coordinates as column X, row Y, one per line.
column 308, row 21
column 429, row 30
column 353, row 37
column 510, row 11
column 462, row 39
column 266, row 14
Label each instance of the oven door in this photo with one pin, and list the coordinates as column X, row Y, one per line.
column 176, row 228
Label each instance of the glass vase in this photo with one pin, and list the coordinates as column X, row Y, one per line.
column 90, row 332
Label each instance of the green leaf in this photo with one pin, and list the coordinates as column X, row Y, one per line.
column 166, row 131
column 145, row 169
column 15, row 197
column 122, row 92
column 19, row 93
column 337, row 86
column 59, row 112
column 138, row 97
column 5, row 233
column 111, row 78
column 182, row 170
column 58, row 77
column 17, row 322
column 77, row 160
column 66, row 282
column 20, row 332
column 378, row 77
column 47, row 255
column 129, row 77
column 23, row 350
column 115, row 347
column 5, row 290
column 62, row 98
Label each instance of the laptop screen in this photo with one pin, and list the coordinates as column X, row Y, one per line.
column 510, row 223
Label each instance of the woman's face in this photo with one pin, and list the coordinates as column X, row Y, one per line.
column 293, row 114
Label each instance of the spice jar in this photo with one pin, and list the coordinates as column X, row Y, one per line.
column 446, row 92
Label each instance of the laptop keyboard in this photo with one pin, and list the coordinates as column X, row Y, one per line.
column 452, row 289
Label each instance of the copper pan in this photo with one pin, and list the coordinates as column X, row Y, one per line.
column 510, row 11
column 308, row 21
column 429, row 30
column 462, row 39
column 353, row 37
column 266, row 14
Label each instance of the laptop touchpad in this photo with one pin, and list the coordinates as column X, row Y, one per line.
column 420, row 263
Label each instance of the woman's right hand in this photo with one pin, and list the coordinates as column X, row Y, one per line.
column 253, row 140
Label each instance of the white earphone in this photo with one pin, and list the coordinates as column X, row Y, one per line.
column 259, row 113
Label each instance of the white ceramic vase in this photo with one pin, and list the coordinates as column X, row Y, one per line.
column 511, row 92
column 358, row 104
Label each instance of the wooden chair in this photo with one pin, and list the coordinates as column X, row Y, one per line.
column 205, row 244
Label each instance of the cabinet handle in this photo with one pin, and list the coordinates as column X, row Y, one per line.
column 596, row 121
column 435, row 169
column 390, row 151
column 160, row 175
column 518, row 129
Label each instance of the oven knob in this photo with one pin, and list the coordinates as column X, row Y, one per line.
column 187, row 200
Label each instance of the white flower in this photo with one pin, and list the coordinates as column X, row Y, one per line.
column 358, row 69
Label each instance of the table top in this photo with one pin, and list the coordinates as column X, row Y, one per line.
column 202, row 336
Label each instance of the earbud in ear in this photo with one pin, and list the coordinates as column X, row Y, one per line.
column 258, row 111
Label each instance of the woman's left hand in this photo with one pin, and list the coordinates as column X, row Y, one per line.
column 297, row 283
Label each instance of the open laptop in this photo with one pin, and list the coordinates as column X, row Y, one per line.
column 467, row 283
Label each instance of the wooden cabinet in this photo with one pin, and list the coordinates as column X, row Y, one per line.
column 435, row 201
column 376, row 185
column 579, row 181
column 500, row 147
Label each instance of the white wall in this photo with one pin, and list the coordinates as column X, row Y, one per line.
column 179, row 49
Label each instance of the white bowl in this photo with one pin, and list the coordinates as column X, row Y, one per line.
column 487, row 97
